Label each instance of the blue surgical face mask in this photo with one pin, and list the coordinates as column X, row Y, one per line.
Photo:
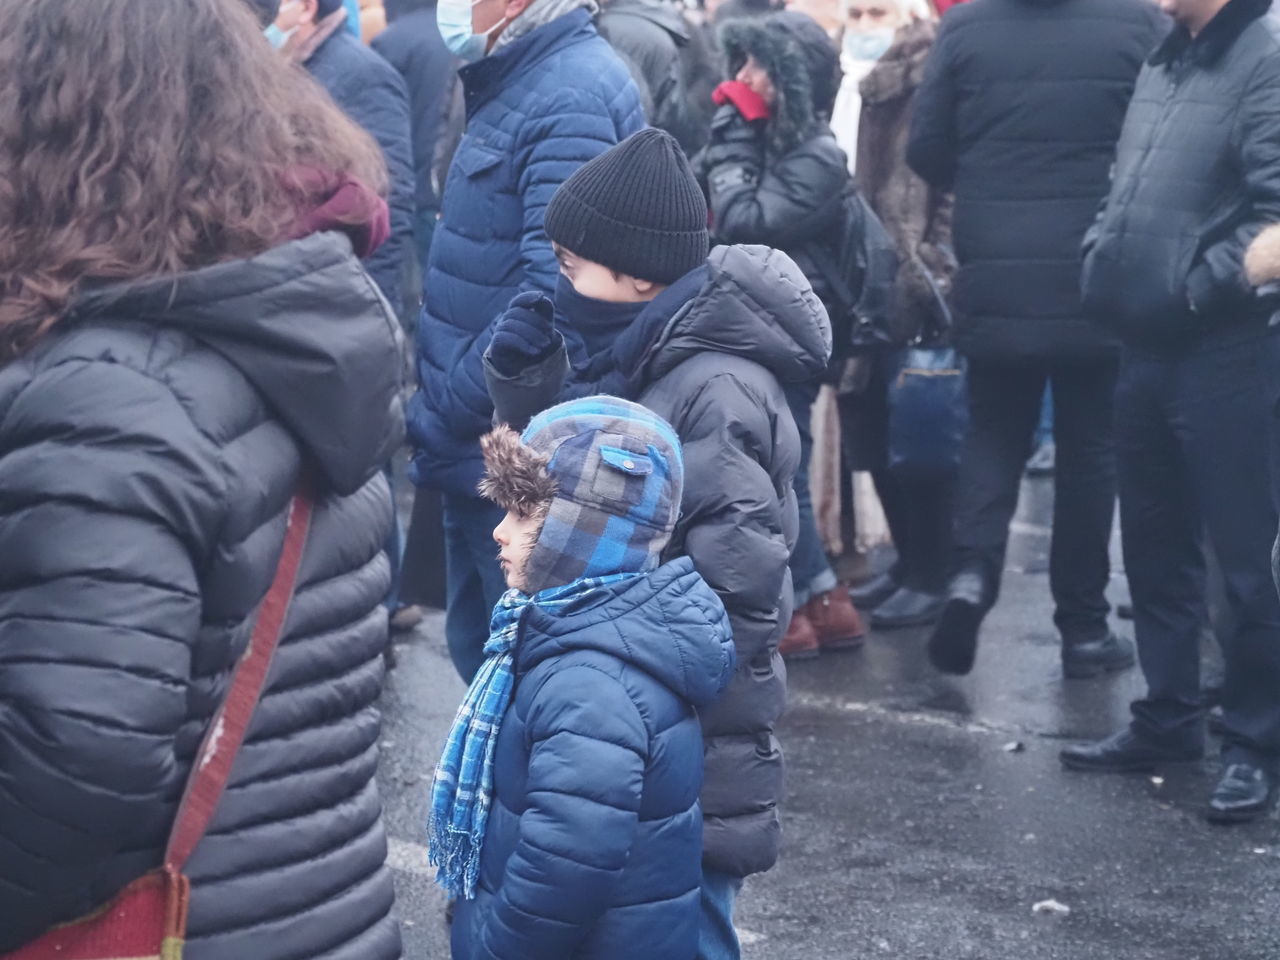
column 275, row 36
column 868, row 45
column 453, row 17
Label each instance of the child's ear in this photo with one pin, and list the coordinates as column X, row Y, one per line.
column 645, row 289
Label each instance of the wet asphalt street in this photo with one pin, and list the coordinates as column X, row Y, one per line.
column 926, row 816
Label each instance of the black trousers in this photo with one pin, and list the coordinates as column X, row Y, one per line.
column 1197, row 452
column 1004, row 408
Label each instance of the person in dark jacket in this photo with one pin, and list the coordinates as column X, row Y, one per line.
column 1025, row 142
column 707, row 343
column 531, row 121
column 775, row 176
column 172, row 365
column 372, row 94
column 412, row 44
column 917, row 218
column 589, row 846
column 1197, row 177
column 655, row 36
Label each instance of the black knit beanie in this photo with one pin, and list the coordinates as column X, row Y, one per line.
column 636, row 209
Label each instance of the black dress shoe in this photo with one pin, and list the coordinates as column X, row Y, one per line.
column 907, row 608
column 1126, row 752
column 1245, row 792
column 871, row 593
column 954, row 642
column 1093, row 658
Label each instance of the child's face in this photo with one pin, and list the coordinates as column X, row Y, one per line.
column 515, row 536
column 598, row 282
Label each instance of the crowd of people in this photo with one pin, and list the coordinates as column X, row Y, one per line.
column 681, row 312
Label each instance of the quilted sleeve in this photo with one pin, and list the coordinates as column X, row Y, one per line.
column 586, row 775
column 933, row 144
column 108, row 495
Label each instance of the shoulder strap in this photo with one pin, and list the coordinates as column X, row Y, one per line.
column 222, row 742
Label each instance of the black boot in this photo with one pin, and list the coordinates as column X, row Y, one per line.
column 1127, row 752
column 954, row 643
column 907, row 608
column 871, row 593
column 1085, row 659
column 1245, row 792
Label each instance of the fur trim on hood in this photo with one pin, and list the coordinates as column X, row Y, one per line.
column 803, row 66
column 1262, row 259
column 515, row 477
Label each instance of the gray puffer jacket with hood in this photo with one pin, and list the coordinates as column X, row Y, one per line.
column 710, row 355
column 149, row 449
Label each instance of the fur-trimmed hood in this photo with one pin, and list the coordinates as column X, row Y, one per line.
column 1262, row 259
column 803, row 66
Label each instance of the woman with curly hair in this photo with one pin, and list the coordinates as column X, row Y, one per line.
column 185, row 332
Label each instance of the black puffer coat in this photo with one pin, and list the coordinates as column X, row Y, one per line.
column 778, row 182
column 654, row 36
column 1019, row 112
column 1197, row 177
column 149, row 449
column 710, row 355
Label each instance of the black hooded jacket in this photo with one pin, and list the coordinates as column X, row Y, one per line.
column 710, row 356
column 150, row 445
column 777, row 181
column 658, row 42
column 1019, row 112
column 1197, row 177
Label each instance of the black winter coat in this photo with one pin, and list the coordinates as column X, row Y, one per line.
column 654, row 37
column 710, row 356
column 1197, row 178
column 149, row 449
column 1019, row 112
column 412, row 44
column 778, row 182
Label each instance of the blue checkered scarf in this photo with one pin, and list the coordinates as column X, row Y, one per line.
column 463, row 789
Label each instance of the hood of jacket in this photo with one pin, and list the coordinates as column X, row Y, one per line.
column 803, row 65
column 306, row 326
column 747, row 301
column 668, row 623
column 657, row 12
column 900, row 71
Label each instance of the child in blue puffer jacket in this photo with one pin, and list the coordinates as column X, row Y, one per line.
column 565, row 815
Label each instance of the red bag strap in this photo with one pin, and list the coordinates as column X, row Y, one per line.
column 222, row 742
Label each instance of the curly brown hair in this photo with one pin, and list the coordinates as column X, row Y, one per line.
column 148, row 137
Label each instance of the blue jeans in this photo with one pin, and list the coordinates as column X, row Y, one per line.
column 717, row 939
column 811, row 572
column 394, row 544
column 474, row 581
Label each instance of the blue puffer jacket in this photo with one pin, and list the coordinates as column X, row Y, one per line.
column 372, row 93
column 536, row 111
column 594, row 843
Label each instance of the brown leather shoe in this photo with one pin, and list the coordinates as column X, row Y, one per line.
column 836, row 621
column 800, row 641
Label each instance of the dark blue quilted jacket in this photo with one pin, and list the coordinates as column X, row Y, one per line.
column 594, row 845
column 536, row 111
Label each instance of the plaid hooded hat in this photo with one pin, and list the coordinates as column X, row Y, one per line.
column 609, row 475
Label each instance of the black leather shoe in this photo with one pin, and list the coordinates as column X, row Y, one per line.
column 1245, row 792
column 954, row 643
column 1093, row 658
column 1126, row 752
column 871, row 593
column 907, row 608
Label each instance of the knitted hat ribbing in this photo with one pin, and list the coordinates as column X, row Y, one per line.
column 636, row 209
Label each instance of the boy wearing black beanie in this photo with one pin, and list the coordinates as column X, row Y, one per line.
column 706, row 342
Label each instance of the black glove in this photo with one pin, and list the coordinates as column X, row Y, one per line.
column 524, row 335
